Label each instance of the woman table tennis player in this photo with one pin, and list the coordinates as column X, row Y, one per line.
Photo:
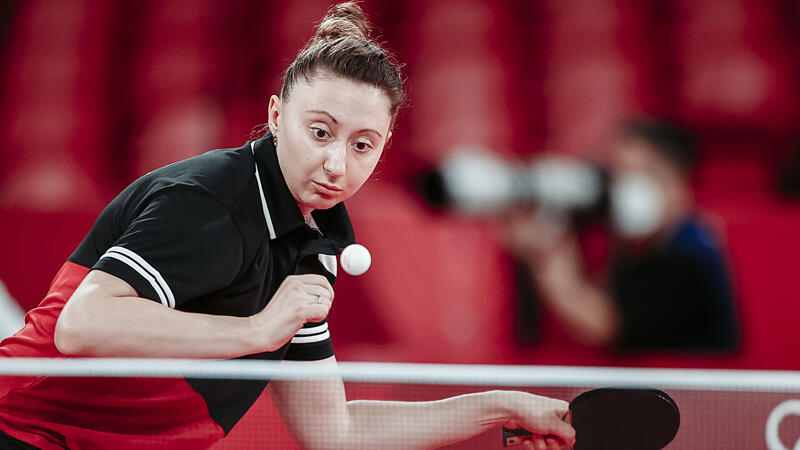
column 231, row 254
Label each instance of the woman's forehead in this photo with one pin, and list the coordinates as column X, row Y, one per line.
column 343, row 99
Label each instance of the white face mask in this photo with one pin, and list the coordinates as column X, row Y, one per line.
column 637, row 205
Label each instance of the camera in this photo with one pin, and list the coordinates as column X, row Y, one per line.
column 476, row 182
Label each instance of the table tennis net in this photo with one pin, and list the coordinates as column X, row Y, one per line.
column 719, row 409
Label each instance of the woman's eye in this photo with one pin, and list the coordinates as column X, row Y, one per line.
column 363, row 146
column 319, row 133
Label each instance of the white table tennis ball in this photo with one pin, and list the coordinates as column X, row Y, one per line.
column 355, row 259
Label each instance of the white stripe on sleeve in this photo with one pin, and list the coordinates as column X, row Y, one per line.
column 147, row 272
column 313, row 330
column 310, row 339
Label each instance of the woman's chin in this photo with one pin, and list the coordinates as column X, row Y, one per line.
column 319, row 202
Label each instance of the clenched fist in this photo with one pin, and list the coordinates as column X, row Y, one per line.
column 299, row 299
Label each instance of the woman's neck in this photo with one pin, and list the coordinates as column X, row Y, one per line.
column 309, row 219
column 306, row 212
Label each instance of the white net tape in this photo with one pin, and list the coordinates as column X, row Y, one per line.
column 450, row 374
column 720, row 409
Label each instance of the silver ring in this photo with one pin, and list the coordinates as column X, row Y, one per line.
column 319, row 299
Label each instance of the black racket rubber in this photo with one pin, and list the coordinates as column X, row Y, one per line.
column 619, row 418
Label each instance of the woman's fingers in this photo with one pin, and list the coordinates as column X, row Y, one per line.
column 553, row 443
column 564, row 431
column 317, row 313
column 539, row 442
column 316, row 280
column 317, row 294
column 558, row 424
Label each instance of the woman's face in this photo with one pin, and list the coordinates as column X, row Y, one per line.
column 331, row 133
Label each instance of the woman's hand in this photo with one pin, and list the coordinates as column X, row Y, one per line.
column 298, row 300
column 547, row 418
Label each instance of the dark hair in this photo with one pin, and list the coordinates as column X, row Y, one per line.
column 675, row 143
column 343, row 46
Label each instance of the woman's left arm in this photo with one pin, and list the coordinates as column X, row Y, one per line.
column 318, row 416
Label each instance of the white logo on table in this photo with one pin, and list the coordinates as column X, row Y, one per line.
column 787, row 408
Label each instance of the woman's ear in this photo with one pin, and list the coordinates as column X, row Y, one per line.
column 274, row 114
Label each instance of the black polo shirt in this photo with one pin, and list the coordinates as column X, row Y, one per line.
column 214, row 234
column 217, row 234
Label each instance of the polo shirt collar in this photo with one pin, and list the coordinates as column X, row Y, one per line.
column 280, row 209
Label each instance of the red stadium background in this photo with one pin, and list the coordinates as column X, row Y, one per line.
column 95, row 94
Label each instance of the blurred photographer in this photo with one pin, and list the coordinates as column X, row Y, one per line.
column 667, row 284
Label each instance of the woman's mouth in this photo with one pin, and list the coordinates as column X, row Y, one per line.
column 326, row 189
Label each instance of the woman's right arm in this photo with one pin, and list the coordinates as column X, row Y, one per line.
column 105, row 317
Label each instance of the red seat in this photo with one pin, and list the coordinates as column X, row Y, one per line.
column 738, row 73
column 55, row 122
column 598, row 70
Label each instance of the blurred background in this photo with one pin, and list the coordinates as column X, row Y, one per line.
column 95, row 94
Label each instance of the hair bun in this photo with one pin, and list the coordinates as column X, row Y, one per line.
column 343, row 20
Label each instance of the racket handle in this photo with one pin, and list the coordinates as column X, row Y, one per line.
column 515, row 436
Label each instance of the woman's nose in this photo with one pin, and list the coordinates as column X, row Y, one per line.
column 335, row 163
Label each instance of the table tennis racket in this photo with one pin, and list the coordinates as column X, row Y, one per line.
column 619, row 418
